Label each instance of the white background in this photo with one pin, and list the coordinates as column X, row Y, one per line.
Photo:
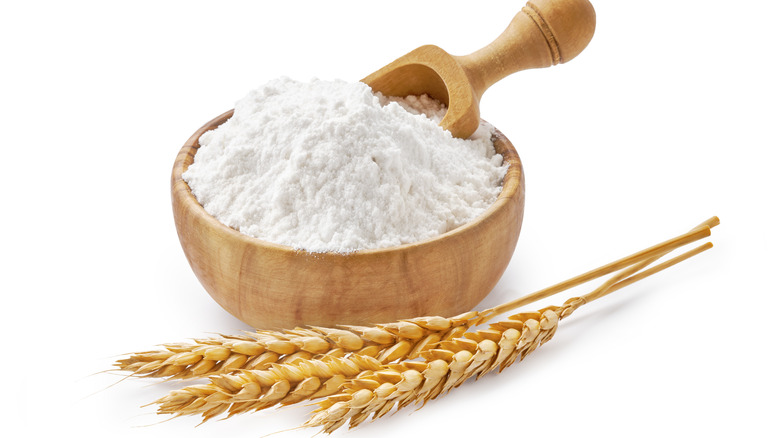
column 670, row 116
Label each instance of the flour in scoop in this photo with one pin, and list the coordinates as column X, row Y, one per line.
column 330, row 166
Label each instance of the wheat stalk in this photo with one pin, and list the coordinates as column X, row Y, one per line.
column 387, row 342
column 365, row 371
column 373, row 394
column 304, row 379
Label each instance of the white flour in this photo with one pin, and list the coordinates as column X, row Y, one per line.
column 329, row 166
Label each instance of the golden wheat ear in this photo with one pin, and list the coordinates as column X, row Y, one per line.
column 373, row 394
column 365, row 371
column 258, row 350
column 387, row 342
column 349, row 381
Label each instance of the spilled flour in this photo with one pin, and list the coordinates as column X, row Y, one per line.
column 330, row 166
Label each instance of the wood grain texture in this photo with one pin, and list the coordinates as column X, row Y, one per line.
column 543, row 33
column 274, row 286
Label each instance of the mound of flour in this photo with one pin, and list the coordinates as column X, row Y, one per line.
column 330, row 166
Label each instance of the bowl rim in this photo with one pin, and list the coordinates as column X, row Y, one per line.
column 512, row 187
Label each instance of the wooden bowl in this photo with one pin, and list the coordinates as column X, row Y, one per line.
column 268, row 285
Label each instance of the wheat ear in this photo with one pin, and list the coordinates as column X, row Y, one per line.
column 258, row 350
column 253, row 390
column 304, row 379
column 373, row 394
column 386, row 342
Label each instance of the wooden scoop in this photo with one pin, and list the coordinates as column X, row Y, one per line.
column 543, row 33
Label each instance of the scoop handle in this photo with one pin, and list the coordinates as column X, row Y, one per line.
column 543, row 33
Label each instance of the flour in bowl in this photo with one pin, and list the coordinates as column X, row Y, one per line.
column 330, row 166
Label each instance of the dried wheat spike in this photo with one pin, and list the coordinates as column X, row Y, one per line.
column 253, row 390
column 256, row 351
column 366, row 372
column 387, row 342
column 373, row 394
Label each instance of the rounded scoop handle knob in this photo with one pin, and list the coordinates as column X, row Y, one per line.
column 543, row 33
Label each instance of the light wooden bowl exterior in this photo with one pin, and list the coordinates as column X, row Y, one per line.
column 274, row 286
